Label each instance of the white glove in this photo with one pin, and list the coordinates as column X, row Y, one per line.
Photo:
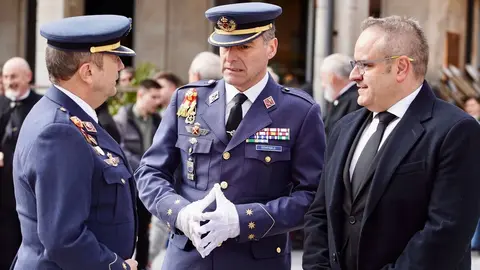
column 223, row 224
column 189, row 217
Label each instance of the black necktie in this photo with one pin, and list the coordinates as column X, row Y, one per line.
column 368, row 154
column 236, row 115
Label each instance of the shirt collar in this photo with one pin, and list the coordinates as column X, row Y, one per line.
column 252, row 93
column 22, row 97
column 80, row 102
column 400, row 108
column 345, row 89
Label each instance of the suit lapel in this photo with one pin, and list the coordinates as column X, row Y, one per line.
column 214, row 113
column 257, row 116
column 341, row 189
column 400, row 142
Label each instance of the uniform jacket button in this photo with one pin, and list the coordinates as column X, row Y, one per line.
column 226, row 155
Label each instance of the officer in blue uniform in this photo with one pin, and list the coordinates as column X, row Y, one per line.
column 75, row 192
column 250, row 154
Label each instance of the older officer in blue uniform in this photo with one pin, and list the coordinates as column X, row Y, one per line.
column 250, row 152
column 74, row 190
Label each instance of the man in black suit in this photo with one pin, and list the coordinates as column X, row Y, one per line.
column 400, row 185
column 14, row 107
column 340, row 92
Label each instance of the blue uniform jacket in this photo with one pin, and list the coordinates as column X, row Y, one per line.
column 272, row 184
column 74, row 190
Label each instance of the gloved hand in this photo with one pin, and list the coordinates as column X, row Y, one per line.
column 223, row 224
column 189, row 217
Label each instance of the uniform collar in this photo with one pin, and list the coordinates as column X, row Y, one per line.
column 251, row 93
column 80, row 102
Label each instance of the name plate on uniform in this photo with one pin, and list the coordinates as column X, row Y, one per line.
column 268, row 148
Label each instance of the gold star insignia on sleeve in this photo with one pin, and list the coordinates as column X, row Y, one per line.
column 124, row 266
column 169, row 212
column 251, row 225
column 177, row 201
column 251, row 237
column 249, row 212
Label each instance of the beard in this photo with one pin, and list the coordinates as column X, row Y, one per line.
column 329, row 93
column 12, row 94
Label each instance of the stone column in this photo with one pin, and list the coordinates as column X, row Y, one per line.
column 47, row 11
column 170, row 34
column 321, row 34
column 12, row 29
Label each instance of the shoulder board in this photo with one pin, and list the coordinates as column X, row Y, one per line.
column 202, row 83
column 299, row 93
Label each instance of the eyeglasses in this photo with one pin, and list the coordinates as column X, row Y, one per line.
column 362, row 64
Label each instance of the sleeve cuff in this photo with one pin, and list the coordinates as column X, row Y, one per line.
column 118, row 264
column 255, row 222
column 168, row 208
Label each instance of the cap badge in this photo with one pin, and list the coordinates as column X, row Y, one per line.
column 226, row 25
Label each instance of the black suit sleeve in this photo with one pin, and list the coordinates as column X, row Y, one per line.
column 454, row 204
column 315, row 247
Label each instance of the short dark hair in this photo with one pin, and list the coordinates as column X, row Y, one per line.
column 148, row 84
column 467, row 98
column 169, row 76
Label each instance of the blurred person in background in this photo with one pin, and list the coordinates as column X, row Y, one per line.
column 169, row 82
column 472, row 107
column 274, row 75
column 138, row 123
column 340, row 92
column 14, row 107
column 205, row 66
column 1, row 83
column 126, row 76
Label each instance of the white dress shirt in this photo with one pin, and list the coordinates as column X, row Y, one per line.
column 398, row 109
column 251, row 93
column 87, row 108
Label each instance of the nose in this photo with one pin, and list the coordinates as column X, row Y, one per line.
column 229, row 54
column 355, row 74
column 120, row 64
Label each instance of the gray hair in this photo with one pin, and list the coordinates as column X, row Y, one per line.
column 269, row 34
column 207, row 65
column 62, row 65
column 404, row 36
column 338, row 64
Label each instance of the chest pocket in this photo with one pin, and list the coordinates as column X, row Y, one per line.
column 270, row 169
column 196, row 158
column 115, row 196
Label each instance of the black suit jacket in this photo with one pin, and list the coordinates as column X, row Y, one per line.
column 423, row 204
column 343, row 105
column 7, row 146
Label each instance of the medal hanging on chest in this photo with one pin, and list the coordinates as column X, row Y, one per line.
column 189, row 106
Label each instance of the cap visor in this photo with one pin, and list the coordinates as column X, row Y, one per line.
column 231, row 40
column 122, row 51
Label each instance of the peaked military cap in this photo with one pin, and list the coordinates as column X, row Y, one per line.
column 237, row 24
column 91, row 33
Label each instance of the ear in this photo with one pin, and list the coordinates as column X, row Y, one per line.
column 85, row 73
column 140, row 93
column 272, row 48
column 403, row 68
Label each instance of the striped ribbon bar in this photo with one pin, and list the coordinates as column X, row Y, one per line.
column 251, row 140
